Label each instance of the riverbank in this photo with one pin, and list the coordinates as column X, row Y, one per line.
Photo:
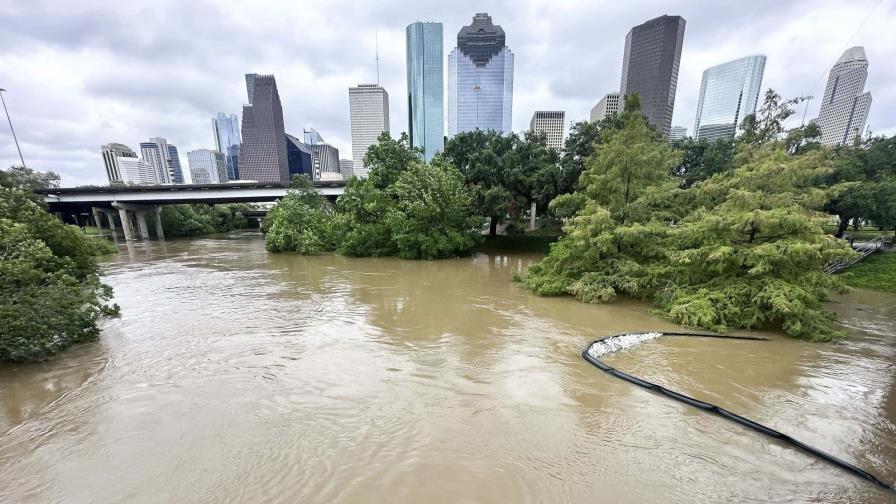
column 876, row 272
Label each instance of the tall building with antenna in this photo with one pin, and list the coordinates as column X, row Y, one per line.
column 369, row 115
column 844, row 107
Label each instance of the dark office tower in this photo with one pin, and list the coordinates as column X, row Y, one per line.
column 263, row 152
column 650, row 67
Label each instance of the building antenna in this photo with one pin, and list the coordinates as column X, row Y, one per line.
column 848, row 41
column 377, row 58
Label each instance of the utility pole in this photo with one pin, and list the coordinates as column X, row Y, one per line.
column 22, row 159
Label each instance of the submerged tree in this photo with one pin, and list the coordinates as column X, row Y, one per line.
column 300, row 222
column 744, row 248
column 50, row 293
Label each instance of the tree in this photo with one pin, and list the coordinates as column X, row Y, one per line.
column 22, row 177
column 432, row 218
column 857, row 171
column 300, row 222
column 50, row 293
column 701, row 159
column 767, row 125
column 199, row 219
column 744, row 248
column 485, row 160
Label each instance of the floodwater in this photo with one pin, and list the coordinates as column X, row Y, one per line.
column 234, row 375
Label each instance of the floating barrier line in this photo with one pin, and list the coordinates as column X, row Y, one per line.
column 712, row 408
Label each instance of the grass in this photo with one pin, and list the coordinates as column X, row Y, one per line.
column 875, row 272
column 864, row 233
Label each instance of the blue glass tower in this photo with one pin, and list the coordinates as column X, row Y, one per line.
column 728, row 93
column 480, row 79
column 226, row 129
column 425, row 87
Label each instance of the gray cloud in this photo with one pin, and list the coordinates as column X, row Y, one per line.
column 81, row 74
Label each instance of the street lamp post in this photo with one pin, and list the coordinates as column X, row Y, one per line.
column 11, row 128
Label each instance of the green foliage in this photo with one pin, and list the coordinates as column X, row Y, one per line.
column 701, row 159
column 506, row 173
column 199, row 219
column 431, row 216
column 50, row 293
column 744, row 247
column 767, row 124
column 876, row 272
column 300, row 222
column 405, row 207
column 21, row 177
column 523, row 243
column 862, row 183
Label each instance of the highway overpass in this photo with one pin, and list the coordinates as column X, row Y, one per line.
column 134, row 203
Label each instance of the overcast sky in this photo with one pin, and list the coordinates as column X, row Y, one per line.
column 83, row 73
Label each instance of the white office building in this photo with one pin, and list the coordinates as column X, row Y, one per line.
column 369, row 114
column 607, row 105
column 207, row 166
column 134, row 170
column 551, row 123
column 111, row 153
column 844, row 108
column 345, row 167
column 677, row 133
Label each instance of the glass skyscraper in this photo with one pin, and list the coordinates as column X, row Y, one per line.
column 650, row 67
column 728, row 93
column 844, row 107
column 480, row 79
column 163, row 157
column 425, row 87
column 226, row 129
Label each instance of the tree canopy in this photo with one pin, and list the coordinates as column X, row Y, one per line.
column 744, row 247
column 405, row 207
column 50, row 293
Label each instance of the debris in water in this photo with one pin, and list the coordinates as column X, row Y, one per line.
column 622, row 342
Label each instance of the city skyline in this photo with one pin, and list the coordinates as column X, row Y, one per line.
column 552, row 69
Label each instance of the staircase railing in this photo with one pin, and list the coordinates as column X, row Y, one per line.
column 864, row 249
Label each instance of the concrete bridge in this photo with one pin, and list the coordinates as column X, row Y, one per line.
column 134, row 203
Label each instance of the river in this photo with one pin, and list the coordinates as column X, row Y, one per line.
column 234, row 375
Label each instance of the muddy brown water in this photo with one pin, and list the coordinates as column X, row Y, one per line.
column 234, row 375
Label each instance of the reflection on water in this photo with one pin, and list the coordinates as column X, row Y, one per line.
column 235, row 375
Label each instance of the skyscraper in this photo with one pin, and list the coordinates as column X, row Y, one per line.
column 226, row 129
column 607, row 105
column 173, row 162
column 324, row 157
column 425, row 87
column 263, row 151
column 480, row 79
column 551, row 123
column 207, row 166
column 650, row 67
column 844, row 108
column 111, row 153
column 728, row 93
column 299, row 157
column 345, row 167
column 678, row 133
column 369, row 110
column 137, row 171
column 163, row 157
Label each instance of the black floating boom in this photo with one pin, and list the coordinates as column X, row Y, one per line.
column 734, row 417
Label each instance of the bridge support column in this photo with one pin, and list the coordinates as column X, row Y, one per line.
column 110, row 214
column 97, row 220
column 159, row 233
column 141, row 223
column 126, row 224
